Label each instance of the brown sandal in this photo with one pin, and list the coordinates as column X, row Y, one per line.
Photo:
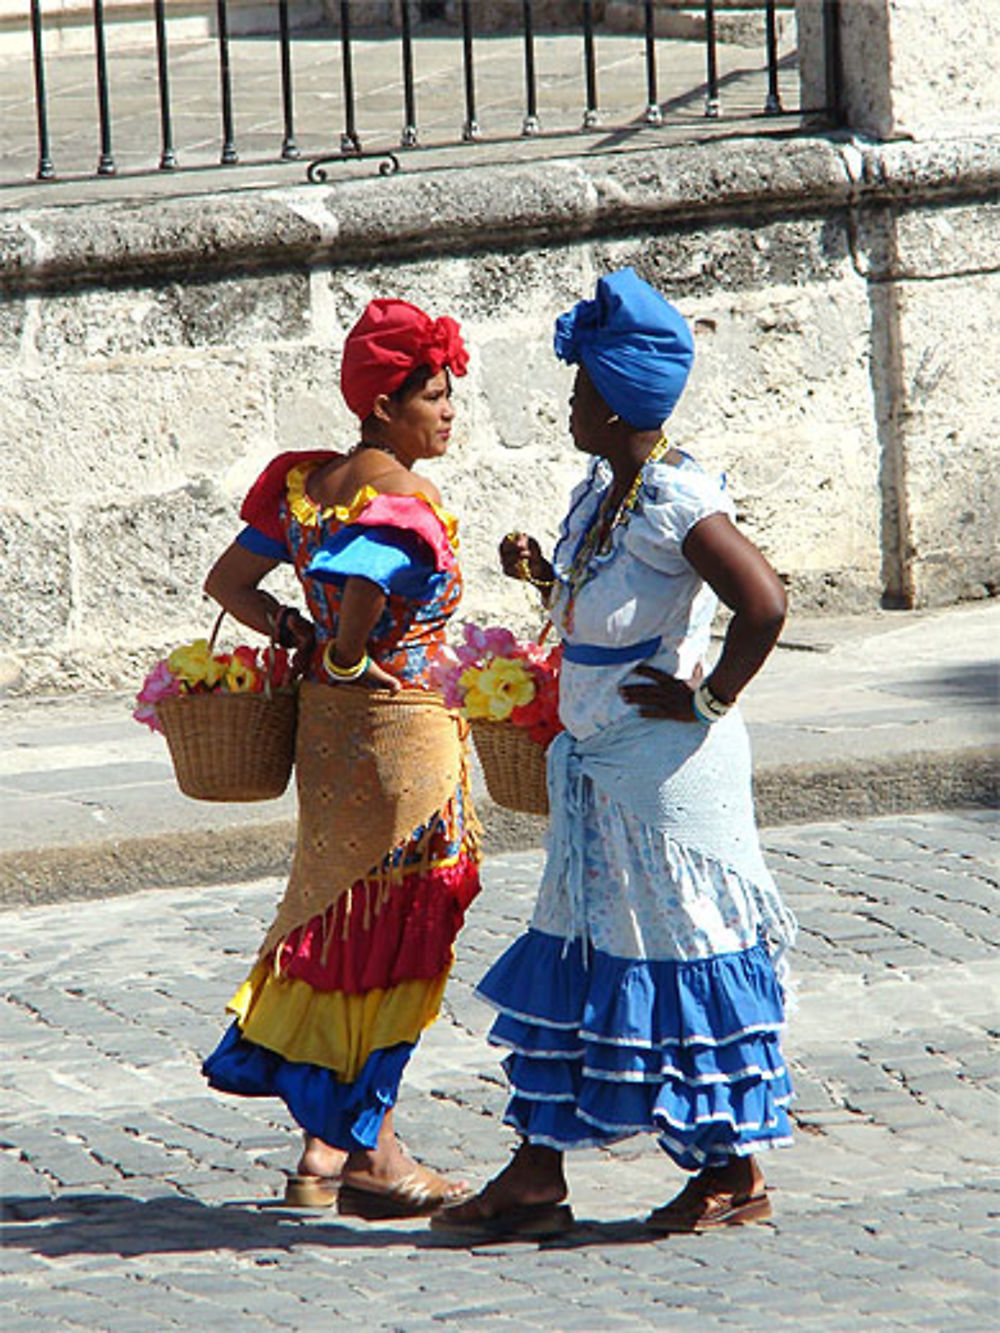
column 524, row 1221
column 708, row 1212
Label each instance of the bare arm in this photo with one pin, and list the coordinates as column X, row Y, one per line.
column 232, row 582
column 747, row 584
column 360, row 607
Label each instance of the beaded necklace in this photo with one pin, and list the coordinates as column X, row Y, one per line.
column 598, row 538
column 374, row 444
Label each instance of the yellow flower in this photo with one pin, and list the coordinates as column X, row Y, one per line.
column 502, row 686
column 474, row 703
column 240, row 677
column 195, row 664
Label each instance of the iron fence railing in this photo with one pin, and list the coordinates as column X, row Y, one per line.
column 529, row 120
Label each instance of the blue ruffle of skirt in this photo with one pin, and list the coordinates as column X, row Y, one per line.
column 344, row 1115
column 615, row 1046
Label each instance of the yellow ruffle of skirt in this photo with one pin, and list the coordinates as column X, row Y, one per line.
column 330, row 1028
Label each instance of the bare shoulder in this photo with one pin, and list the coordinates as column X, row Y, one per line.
column 339, row 482
column 400, row 481
column 415, row 484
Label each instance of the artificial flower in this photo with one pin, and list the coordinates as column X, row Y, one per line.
column 280, row 674
column 159, row 684
column 242, row 675
column 502, row 685
column 494, row 677
column 195, row 664
column 479, row 643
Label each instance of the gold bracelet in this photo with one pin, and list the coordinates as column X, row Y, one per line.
column 344, row 673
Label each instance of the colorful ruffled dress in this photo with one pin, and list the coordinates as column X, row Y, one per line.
column 647, row 994
column 333, row 1009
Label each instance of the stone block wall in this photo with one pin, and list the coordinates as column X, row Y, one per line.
column 154, row 358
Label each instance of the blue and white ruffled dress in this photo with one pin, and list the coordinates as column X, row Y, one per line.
column 648, row 992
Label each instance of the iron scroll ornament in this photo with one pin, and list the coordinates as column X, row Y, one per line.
column 316, row 172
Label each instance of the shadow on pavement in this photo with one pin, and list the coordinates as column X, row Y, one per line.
column 978, row 684
column 116, row 1224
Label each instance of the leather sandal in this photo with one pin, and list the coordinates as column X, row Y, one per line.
column 410, row 1196
column 311, row 1191
column 525, row 1221
column 709, row 1212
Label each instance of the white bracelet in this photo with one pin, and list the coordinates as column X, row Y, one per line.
column 707, row 707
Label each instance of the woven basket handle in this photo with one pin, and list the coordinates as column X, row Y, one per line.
column 271, row 657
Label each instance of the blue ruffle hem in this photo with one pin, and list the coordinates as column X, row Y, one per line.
column 344, row 1115
column 610, row 1047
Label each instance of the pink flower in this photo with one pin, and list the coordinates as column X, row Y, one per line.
column 443, row 676
column 161, row 683
column 481, row 643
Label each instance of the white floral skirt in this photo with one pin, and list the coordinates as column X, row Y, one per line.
column 665, row 1016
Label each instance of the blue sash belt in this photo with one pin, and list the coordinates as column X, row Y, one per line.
column 593, row 654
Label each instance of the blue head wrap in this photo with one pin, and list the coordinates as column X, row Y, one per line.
column 633, row 344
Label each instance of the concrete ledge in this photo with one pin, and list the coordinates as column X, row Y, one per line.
column 440, row 209
column 784, row 794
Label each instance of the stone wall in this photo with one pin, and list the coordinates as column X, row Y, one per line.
column 154, row 357
column 910, row 68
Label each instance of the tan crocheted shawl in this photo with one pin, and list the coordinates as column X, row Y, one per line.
column 370, row 768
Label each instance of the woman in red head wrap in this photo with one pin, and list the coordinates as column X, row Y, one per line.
column 354, row 965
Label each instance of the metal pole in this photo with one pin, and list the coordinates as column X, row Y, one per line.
column 46, row 171
column 289, row 148
column 229, row 154
column 470, row 130
column 833, row 62
column 590, row 115
column 168, row 159
column 349, row 141
column 772, row 107
column 654, row 116
column 409, row 136
column 106, row 162
column 712, row 97
column 531, row 125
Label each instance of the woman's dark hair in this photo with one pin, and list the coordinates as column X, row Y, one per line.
column 413, row 383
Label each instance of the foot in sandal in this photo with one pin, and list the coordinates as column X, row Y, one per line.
column 524, row 1200
column 725, row 1196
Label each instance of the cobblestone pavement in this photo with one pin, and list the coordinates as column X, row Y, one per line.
column 139, row 1201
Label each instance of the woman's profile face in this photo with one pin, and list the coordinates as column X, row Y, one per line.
column 422, row 421
column 587, row 411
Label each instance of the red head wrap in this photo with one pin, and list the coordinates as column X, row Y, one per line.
column 389, row 340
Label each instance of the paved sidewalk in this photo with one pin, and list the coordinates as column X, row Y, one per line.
column 378, row 86
column 138, row 1200
column 893, row 711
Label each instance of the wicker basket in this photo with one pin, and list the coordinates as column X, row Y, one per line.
column 513, row 765
column 231, row 747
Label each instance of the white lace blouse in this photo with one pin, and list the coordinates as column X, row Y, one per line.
column 642, row 588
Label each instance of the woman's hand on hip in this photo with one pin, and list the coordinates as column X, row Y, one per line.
column 663, row 697
column 375, row 678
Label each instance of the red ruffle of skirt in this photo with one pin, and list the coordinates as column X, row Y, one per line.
column 372, row 940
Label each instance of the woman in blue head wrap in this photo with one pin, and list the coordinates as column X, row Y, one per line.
column 648, row 992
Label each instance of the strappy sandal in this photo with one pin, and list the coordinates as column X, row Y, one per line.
column 411, row 1196
column 311, row 1191
column 709, row 1212
column 525, row 1221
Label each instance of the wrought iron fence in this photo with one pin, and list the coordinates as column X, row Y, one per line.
column 464, row 42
